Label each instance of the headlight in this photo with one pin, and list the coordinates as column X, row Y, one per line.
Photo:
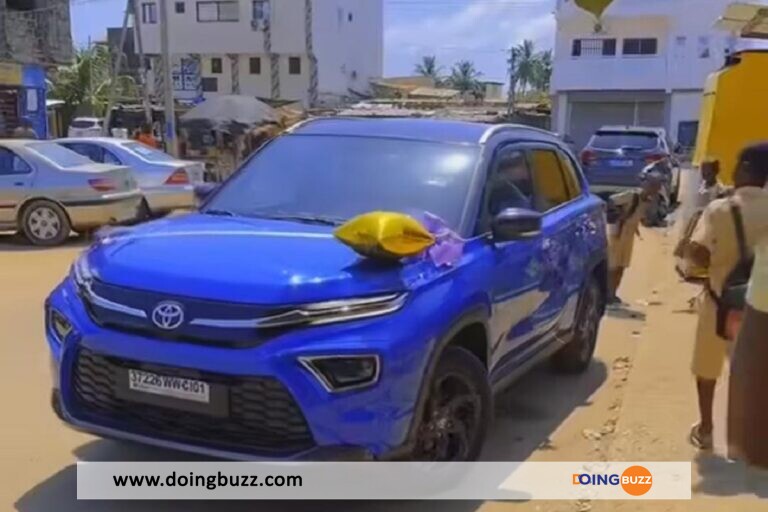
column 344, row 373
column 335, row 311
column 81, row 273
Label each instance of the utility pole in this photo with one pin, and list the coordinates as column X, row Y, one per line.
column 512, row 68
column 170, row 114
column 142, row 64
column 116, row 71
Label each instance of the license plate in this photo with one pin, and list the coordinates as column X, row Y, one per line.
column 164, row 385
column 620, row 163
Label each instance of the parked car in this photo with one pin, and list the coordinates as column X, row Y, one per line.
column 86, row 127
column 46, row 191
column 615, row 157
column 165, row 181
column 247, row 330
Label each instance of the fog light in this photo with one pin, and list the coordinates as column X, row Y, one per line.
column 343, row 373
column 59, row 325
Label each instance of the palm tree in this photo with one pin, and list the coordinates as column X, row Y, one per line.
column 543, row 71
column 526, row 63
column 428, row 67
column 464, row 77
column 85, row 84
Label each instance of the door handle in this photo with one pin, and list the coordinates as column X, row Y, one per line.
column 18, row 184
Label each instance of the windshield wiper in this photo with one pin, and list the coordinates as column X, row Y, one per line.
column 308, row 219
column 219, row 213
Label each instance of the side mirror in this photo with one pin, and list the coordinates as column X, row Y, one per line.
column 516, row 224
column 204, row 191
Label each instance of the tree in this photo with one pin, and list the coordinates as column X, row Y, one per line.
column 84, row 86
column 428, row 67
column 526, row 64
column 464, row 77
column 542, row 71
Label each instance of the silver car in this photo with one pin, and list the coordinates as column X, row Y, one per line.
column 47, row 191
column 166, row 182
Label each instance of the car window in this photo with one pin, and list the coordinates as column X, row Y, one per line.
column 111, row 158
column 59, row 155
column 551, row 188
column 510, row 184
column 570, row 175
column 148, row 153
column 92, row 151
column 12, row 164
column 625, row 140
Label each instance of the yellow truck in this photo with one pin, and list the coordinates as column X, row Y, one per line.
column 734, row 110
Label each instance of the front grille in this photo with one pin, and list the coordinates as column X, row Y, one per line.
column 262, row 417
column 194, row 308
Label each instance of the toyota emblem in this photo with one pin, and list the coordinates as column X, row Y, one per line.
column 168, row 315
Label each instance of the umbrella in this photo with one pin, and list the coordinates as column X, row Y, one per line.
column 231, row 112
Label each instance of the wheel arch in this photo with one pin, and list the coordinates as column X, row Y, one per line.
column 21, row 208
column 462, row 333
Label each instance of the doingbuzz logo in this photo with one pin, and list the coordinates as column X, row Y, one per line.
column 635, row 480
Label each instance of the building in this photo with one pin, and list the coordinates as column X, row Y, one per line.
column 494, row 91
column 131, row 63
column 313, row 51
column 644, row 63
column 34, row 36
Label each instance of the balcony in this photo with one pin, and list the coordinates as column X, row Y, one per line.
column 41, row 36
column 610, row 73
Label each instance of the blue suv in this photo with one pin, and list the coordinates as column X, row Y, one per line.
column 247, row 331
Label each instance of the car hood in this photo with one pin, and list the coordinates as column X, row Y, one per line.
column 242, row 260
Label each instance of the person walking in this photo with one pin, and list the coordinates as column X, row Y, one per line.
column 146, row 137
column 628, row 209
column 714, row 246
column 748, row 382
column 709, row 190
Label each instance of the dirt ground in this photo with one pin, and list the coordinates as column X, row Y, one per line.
column 636, row 402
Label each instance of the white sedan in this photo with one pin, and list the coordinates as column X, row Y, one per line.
column 166, row 182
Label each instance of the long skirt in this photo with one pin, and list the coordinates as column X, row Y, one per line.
column 748, row 392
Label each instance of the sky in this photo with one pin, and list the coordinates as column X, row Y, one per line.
column 452, row 30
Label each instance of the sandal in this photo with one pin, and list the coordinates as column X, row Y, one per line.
column 699, row 439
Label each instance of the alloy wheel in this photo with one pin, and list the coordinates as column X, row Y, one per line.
column 44, row 223
column 451, row 422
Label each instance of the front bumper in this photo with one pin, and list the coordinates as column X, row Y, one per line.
column 108, row 209
column 166, row 198
column 356, row 425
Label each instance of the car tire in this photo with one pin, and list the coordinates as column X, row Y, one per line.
column 576, row 356
column 457, row 412
column 44, row 223
column 143, row 214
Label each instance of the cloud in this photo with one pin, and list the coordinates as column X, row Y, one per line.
column 478, row 31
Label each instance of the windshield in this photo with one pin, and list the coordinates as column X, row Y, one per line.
column 59, row 155
column 148, row 153
column 625, row 140
column 337, row 178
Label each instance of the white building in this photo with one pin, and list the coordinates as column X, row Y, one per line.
column 304, row 50
column 645, row 64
